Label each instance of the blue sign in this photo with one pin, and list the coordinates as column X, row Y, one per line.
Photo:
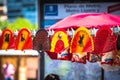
column 51, row 10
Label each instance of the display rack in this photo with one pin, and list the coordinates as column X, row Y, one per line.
column 13, row 52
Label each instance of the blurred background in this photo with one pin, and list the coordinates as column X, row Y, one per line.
column 16, row 14
column 33, row 14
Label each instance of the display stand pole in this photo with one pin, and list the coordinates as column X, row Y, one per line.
column 41, row 52
column 102, row 74
column 41, row 66
column 38, row 75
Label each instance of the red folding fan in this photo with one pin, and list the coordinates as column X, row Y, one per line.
column 104, row 41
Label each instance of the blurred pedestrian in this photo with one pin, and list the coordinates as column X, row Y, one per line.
column 52, row 77
column 8, row 71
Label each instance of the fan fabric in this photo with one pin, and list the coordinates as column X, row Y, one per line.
column 23, row 40
column 7, row 40
column 81, row 43
column 104, row 41
column 60, row 44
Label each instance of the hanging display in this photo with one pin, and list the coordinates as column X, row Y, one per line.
column 101, row 46
column 7, row 40
column 81, row 44
column 104, row 41
column 41, row 41
column 60, row 44
column 23, row 40
column 105, row 45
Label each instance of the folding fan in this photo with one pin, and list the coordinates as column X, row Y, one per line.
column 41, row 40
column 60, row 44
column 104, row 41
column 81, row 43
column 7, row 40
column 23, row 40
column 105, row 45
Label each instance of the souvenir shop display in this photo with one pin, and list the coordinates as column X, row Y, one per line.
column 93, row 37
